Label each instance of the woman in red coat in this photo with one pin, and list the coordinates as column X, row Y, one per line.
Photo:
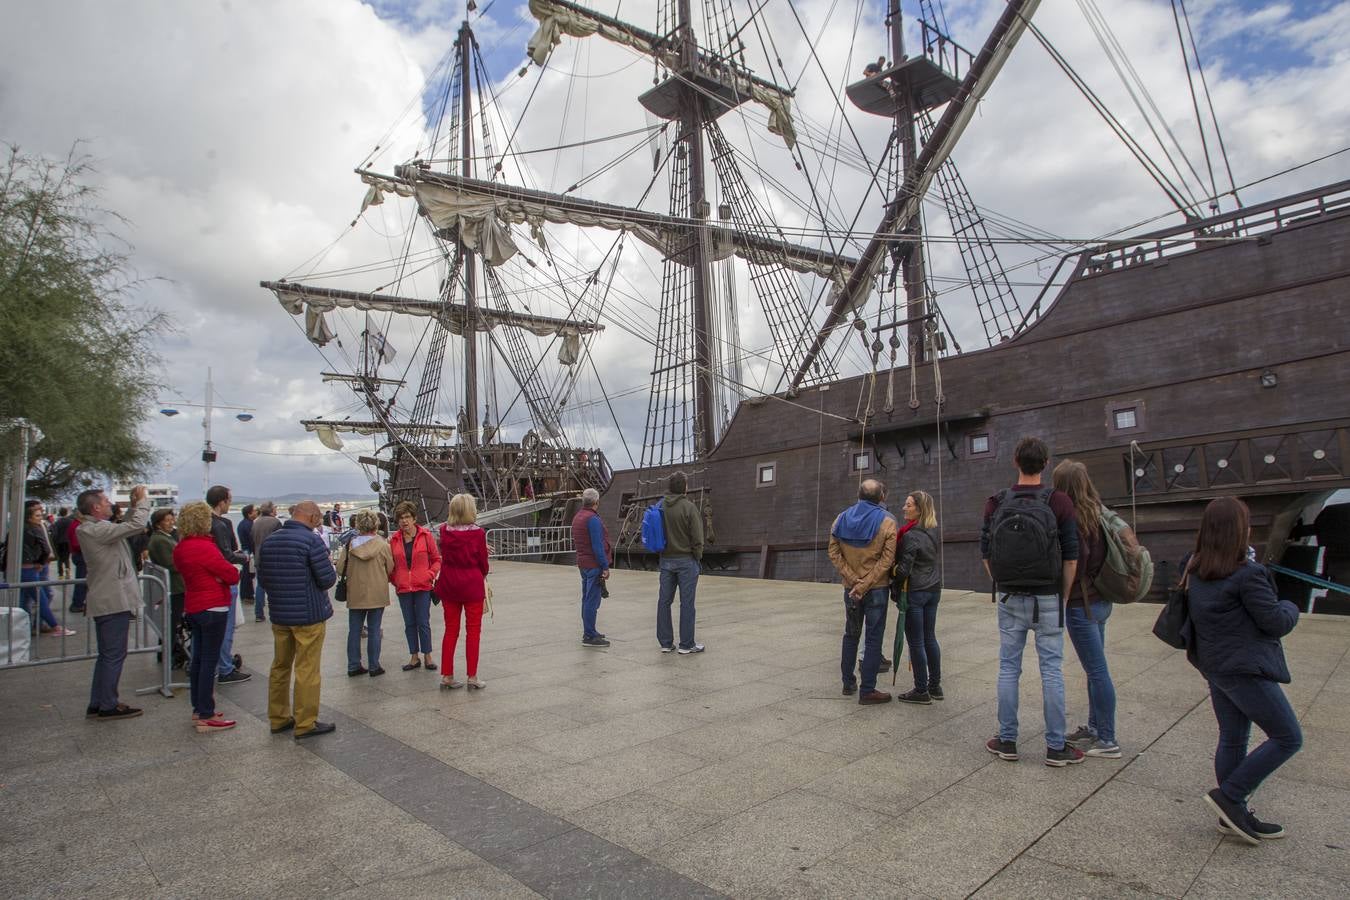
column 206, row 605
column 461, row 587
column 417, row 562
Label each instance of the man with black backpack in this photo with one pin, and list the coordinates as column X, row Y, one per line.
column 1029, row 543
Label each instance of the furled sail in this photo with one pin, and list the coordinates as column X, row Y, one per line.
column 561, row 18
column 314, row 302
column 327, row 430
column 482, row 211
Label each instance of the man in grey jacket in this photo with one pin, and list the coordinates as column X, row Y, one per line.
column 113, row 596
column 263, row 526
column 679, row 566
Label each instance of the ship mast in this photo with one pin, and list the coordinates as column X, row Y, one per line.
column 912, row 267
column 691, row 132
column 469, row 434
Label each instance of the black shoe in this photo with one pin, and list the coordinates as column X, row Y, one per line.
column 408, row 667
column 287, row 726
column 920, row 697
column 359, row 670
column 121, row 712
column 235, row 677
column 1068, row 755
column 850, row 690
column 1002, row 749
column 378, row 670
column 1267, row 831
column 1234, row 815
column 260, row 618
column 594, row 642
column 91, row 712
column 318, row 729
column 935, row 692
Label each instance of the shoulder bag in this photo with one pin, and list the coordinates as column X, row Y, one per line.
column 340, row 592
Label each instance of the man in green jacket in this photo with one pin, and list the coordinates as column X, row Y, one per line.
column 679, row 565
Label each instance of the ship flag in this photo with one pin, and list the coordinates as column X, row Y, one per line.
column 376, row 343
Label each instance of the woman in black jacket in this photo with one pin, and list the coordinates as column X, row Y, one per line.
column 918, row 565
column 1238, row 620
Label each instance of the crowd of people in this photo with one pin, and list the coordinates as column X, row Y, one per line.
column 1044, row 547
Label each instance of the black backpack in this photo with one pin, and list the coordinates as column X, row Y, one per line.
column 1024, row 549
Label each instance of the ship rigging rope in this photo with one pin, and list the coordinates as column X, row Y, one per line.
column 1209, row 101
column 1116, row 56
column 1158, row 176
column 1195, row 103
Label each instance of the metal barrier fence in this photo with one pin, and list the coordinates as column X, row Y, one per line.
column 151, row 632
column 523, row 543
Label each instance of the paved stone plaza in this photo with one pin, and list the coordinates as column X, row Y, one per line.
column 631, row 773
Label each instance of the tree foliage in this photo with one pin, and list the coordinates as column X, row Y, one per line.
column 76, row 353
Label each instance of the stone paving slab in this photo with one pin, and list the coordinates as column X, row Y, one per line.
column 625, row 772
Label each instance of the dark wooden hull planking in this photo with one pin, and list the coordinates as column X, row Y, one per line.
column 1230, row 357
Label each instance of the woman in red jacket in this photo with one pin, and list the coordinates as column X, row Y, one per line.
column 417, row 562
column 461, row 587
column 206, row 604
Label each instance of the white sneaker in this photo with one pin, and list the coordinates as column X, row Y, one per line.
column 476, row 684
column 697, row 648
column 667, row 649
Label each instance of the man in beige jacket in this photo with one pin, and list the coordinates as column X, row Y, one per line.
column 862, row 548
column 114, row 595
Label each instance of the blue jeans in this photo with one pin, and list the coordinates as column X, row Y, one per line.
column 921, row 634
column 111, row 632
column 371, row 619
column 43, row 596
column 590, row 601
column 1015, row 614
column 208, row 630
column 871, row 613
column 681, row 572
column 81, row 572
column 1087, row 631
column 1238, row 701
column 416, row 606
column 259, row 601
column 227, row 646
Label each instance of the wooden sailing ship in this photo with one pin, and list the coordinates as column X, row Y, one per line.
column 1188, row 362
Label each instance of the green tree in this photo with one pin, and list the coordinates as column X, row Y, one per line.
column 76, row 353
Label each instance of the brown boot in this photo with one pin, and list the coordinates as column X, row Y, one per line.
column 874, row 697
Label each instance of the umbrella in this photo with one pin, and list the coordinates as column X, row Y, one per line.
column 902, row 604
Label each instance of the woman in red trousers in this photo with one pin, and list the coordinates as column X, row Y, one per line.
column 461, row 587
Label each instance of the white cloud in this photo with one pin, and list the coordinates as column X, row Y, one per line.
column 227, row 132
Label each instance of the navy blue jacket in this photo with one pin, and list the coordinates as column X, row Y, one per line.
column 1238, row 623
column 245, row 531
column 296, row 574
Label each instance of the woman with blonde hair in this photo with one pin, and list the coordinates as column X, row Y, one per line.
column 207, row 606
column 462, row 587
column 417, row 562
column 366, row 563
column 1085, row 614
column 918, row 564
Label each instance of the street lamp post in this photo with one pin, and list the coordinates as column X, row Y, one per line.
column 209, row 455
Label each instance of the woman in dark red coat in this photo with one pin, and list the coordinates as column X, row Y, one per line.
column 462, row 587
column 206, row 605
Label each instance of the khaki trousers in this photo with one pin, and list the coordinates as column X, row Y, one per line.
column 297, row 647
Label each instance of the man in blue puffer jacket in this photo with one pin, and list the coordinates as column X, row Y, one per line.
column 296, row 572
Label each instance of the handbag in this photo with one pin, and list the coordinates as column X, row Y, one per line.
column 1173, row 626
column 340, row 592
column 487, row 599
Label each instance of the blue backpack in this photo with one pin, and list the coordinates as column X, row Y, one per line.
column 654, row 527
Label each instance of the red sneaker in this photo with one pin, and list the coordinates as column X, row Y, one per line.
column 206, row 726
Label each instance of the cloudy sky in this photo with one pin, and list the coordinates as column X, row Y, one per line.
column 227, row 133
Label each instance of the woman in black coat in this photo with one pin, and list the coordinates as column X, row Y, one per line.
column 1238, row 620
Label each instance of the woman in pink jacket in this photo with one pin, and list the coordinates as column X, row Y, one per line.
column 417, row 562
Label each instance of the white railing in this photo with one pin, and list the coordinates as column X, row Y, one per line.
column 524, row 543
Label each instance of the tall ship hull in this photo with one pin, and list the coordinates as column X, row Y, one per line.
column 1153, row 365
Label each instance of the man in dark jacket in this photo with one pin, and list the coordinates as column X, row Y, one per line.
column 61, row 542
column 266, row 523
column 590, row 539
column 679, row 565
column 296, row 572
column 219, row 499
column 245, row 531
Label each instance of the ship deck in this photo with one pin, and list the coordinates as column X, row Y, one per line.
column 630, row 773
